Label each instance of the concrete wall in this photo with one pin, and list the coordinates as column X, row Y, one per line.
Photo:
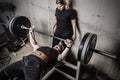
column 96, row 16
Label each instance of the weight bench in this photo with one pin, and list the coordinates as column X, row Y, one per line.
column 74, row 67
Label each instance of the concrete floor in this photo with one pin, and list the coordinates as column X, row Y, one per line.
column 15, row 56
column 25, row 50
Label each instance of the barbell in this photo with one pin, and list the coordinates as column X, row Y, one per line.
column 19, row 26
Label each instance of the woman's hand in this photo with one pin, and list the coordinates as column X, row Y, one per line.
column 68, row 42
column 73, row 37
column 52, row 31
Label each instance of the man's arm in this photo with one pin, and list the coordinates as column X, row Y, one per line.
column 66, row 50
column 32, row 40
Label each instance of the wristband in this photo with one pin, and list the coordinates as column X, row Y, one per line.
column 68, row 47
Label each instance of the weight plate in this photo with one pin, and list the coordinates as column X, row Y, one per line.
column 15, row 26
column 81, row 45
column 85, row 52
column 91, row 45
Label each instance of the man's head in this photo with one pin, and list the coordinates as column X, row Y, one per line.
column 58, row 48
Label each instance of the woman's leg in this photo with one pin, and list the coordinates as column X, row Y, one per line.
column 56, row 41
column 66, row 35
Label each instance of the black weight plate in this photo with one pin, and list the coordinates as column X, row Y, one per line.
column 91, row 45
column 81, row 45
column 88, row 42
column 15, row 26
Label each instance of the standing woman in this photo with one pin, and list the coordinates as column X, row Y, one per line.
column 64, row 25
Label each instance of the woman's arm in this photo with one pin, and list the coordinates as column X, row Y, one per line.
column 74, row 29
column 54, row 25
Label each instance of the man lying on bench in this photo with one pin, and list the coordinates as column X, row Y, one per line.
column 31, row 66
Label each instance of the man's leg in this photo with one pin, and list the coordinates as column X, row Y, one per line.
column 32, row 73
column 33, row 68
column 56, row 41
column 66, row 35
column 12, row 71
column 3, row 76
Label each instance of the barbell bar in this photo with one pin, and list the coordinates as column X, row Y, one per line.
column 19, row 26
column 38, row 31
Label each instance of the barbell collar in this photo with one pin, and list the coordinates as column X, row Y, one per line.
column 24, row 27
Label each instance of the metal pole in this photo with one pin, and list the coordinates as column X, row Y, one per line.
column 38, row 31
column 61, row 39
column 48, row 73
column 104, row 53
column 78, row 70
column 23, row 27
column 65, row 74
column 69, row 65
